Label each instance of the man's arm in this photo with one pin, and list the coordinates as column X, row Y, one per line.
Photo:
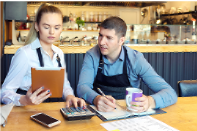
column 86, row 79
column 164, row 95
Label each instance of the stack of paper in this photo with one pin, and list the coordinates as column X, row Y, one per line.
column 145, row 123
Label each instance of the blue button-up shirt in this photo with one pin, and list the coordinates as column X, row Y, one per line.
column 137, row 68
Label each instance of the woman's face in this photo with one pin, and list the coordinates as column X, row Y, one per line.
column 50, row 27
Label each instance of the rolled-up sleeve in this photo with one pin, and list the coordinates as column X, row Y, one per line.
column 164, row 95
column 86, row 79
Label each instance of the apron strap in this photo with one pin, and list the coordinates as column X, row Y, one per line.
column 40, row 57
column 125, row 65
column 58, row 61
column 101, row 62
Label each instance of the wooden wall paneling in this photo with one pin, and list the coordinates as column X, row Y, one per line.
column 180, row 64
column 173, row 67
column 173, row 70
column 194, row 66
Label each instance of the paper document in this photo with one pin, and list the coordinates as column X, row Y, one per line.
column 144, row 123
column 119, row 113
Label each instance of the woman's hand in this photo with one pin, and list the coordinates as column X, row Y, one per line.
column 75, row 101
column 144, row 103
column 35, row 98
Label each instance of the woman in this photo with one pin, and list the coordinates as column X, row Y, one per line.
column 39, row 44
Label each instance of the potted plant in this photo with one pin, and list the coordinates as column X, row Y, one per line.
column 80, row 22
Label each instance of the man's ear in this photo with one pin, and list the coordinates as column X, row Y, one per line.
column 121, row 41
column 36, row 27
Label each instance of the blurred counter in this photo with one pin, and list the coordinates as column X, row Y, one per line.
column 139, row 47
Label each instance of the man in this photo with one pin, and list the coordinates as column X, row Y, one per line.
column 113, row 67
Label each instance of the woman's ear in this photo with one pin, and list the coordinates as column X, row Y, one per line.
column 36, row 27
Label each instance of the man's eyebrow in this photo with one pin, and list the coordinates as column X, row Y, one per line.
column 106, row 36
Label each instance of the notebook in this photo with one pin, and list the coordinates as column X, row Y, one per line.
column 121, row 113
column 51, row 78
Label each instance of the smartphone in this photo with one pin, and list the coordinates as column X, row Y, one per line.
column 45, row 120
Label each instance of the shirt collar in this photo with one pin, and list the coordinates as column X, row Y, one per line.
column 36, row 44
column 121, row 57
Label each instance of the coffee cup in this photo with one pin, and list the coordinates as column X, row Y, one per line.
column 131, row 94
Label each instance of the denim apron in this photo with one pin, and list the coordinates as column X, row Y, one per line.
column 112, row 85
column 23, row 92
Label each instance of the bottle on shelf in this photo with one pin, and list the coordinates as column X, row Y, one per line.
column 193, row 30
column 70, row 17
column 87, row 17
column 74, row 17
column 82, row 16
column 95, row 17
column 107, row 15
column 100, row 17
column 91, row 17
column 70, row 21
column 19, row 37
column 104, row 16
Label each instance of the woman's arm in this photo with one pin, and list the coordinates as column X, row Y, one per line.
column 18, row 69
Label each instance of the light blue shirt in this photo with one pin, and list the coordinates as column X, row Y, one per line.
column 137, row 68
column 19, row 75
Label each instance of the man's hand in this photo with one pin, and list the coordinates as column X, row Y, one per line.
column 35, row 98
column 105, row 104
column 72, row 100
column 144, row 103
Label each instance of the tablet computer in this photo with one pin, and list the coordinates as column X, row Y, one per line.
column 50, row 78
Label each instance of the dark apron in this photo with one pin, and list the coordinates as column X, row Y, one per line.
column 22, row 92
column 112, row 85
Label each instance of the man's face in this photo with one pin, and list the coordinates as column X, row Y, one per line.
column 109, row 43
column 50, row 27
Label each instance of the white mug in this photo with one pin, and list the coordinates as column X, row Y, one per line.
column 131, row 94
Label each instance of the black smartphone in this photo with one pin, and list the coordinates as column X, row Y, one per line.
column 45, row 120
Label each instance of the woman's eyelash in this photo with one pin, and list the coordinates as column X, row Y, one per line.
column 48, row 28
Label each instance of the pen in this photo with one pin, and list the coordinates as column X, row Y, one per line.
column 108, row 99
column 102, row 93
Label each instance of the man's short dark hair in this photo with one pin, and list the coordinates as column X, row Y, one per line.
column 115, row 23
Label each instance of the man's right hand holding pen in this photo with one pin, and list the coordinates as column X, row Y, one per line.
column 104, row 103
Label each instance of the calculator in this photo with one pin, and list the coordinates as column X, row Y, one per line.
column 78, row 113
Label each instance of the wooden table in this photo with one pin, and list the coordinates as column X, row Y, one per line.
column 182, row 116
